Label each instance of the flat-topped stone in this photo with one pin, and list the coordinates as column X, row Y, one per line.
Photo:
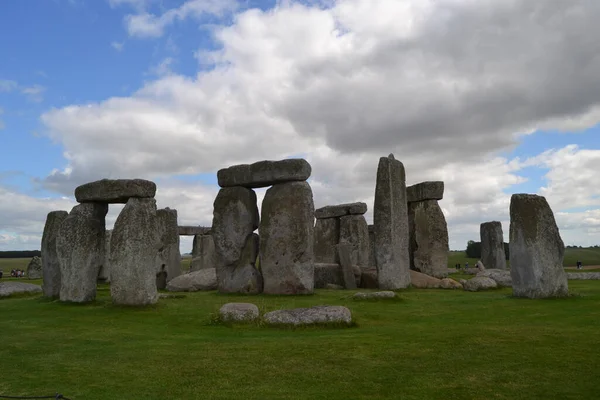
column 190, row 230
column 308, row 316
column 114, row 190
column 430, row 190
column 264, row 173
column 341, row 210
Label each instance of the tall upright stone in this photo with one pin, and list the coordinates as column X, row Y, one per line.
column 372, row 262
column 204, row 255
column 428, row 238
column 287, row 239
column 80, row 250
column 50, row 264
column 492, row 245
column 104, row 273
column 326, row 238
column 169, row 255
column 133, row 248
column 536, row 249
column 390, row 217
column 355, row 232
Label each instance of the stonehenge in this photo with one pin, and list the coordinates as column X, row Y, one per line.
column 492, row 245
column 168, row 259
column 50, row 264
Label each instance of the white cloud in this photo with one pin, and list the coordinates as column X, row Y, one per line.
column 34, row 93
column 118, row 46
column 7, row 85
column 163, row 68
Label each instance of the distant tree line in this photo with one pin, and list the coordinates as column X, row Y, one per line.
column 20, row 254
column 474, row 249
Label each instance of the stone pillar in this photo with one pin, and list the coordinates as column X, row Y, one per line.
column 104, row 273
column 80, row 250
column 50, row 264
column 492, row 245
column 204, row 255
column 355, row 231
column 536, row 249
column 169, row 256
column 327, row 236
column 372, row 262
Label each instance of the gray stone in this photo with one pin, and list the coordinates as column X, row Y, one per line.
column 204, row 279
column 133, row 248
column 492, row 245
column 536, row 249
column 50, row 264
column 368, row 279
column 104, row 273
column 264, row 173
column 345, row 256
column 501, row 276
column 169, row 257
column 186, row 230
column 9, row 288
column 114, row 190
column 479, row 283
column 448, row 283
column 308, row 316
column 80, row 251
column 331, row 274
column 340, row 210
column 431, row 190
column 242, row 276
column 583, row 275
column 34, row 269
column 428, row 238
column 424, row 281
column 386, row 294
column 355, row 231
column 372, row 262
column 204, row 254
column 390, row 217
column 480, row 266
column 287, row 239
column 238, row 312
column 327, row 236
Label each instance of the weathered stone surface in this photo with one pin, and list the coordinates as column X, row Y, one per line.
column 287, row 239
column 133, row 248
column 368, row 279
column 242, row 276
column 11, row 287
column 345, row 256
column 204, row 279
column 331, row 274
column 583, row 275
column 386, row 294
column 390, row 217
column 501, row 276
column 80, row 251
column 186, row 230
column 479, row 283
column 238, row 312
column 114, row 190
column 480, row 266
column 34, row 269
column 307, row 316
column 104, row 273
column 448, row 283
column 428, row 238
column 235, row 217
column 327, row 236
column 423, row 281
column 372, row 262
column 264, row 173
column 341, row 210
column 50, row 264
column 355, row 231
column 204, row 254
column 169, row 257
column 492, row 245
column 431, row 190
column 536, row 249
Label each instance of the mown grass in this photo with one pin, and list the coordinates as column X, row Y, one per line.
column 432, row 344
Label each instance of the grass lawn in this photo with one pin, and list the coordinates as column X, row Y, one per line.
column 432, row 344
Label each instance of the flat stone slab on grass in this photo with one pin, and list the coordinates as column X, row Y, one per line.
column 10, row 288
column 264, row 173
column 431, row 190
column 583, row 275
column 309, row 316
column 238, row 312
column 501, row 276
column 479, row 283
column 204, row 279
column 386, row 294
column 341, row 210
column 114, row 190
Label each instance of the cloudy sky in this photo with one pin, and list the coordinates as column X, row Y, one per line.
column 494, row 97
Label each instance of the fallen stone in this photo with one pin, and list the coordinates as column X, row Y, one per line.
column 308, row 316
column 331, row 274
column 169, row 257
column 368, row 279
column 50, row 264
column 479, row 283
column 239, row 312
column 185, row 230
column 341, row 210
column 355, row 231
column 114, row 190
column 264, row 173
column 583, row 275
column 448, row 283
column 501, row 276
column 536, row 249
column 34, row 269
column 204, row 254
column 242, row 276
column 345, row 256
column 387, row 294
column 423, row 281
column 9, row 288
column 104, row 272
column 492, row 245
column 204, row 279
column 431, row 190
column 326, row 237
column 428, row 238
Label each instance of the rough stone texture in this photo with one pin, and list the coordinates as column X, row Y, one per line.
column 583, row 275
column 423, row 281
column 431, row 190
column 327, row 236
column 34, row 269
column 287, row 239
column 114, row 190
column 205, row 279
column 307, row 316
column 368, row 279
column 390, row 217
column 501, row 276
column 242, row 276
column 238, row 312
column 428, row 238
column 448, row 283
column 372, row 262
column 133, row 248
column 11, row 287
column 479, row 283
column 492, row 245
column 331, row 274
column 345, row 256
column 80, row 251
column 204, row 254
column 480, row 266
column 264, row 173
column 355, row 231
column 184, row 230
column 536, row 249
column 104, row 273
column 50, row 264
column 235, row 217
column 375, row 295
column 341, row 210
column 168, row 255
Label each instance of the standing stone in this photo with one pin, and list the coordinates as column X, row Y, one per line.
column 50, row 264
column 390, row 217
column 355, row 231
column 372, row 262
column 133, row 248
column 204, row 255
column 80, row 250
column 492, row 245
column 536, row 249
column 327, row 236
column 428, row 238
column 242, row 276
column 169, row 256
column 34, row 269
column 287, row 239
column 345, row 251
column 104, row 273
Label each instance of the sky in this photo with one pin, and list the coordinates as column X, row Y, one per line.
column 494, row 97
